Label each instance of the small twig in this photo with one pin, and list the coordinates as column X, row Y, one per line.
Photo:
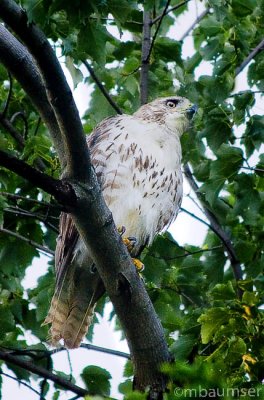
column 104, row 350
column 29, row 214
column 30, row 200
column 157, row 30
column 245, row 91
column 9, row 94
column 180, row 293
column 254, row 169
column 195, row 217
column 37, row 126
column 70, row 363
column 198, row 19
column 27, row 365
column 216, row 227
column 23, row 383
column 22, row 116
column 13, row 131
column 47, row 353
column 102, row 88
column 250, row 57
column 174, row 8
column 189, row 253
column 29, row 241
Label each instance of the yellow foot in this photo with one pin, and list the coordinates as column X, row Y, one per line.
column 129, row 242
column 138, row 264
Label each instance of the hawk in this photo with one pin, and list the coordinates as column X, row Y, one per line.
column 137, row 159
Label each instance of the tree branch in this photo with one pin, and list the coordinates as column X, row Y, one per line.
column 250, row 57
column 28, row 241
column 216, row 227
column 45, row 353
column 157, row 30
column 198, row 19
column 145, row 51
column 61, row 190
column 13, row 131
column 104, row 350
column 24, row 213
column 102, row 88
column 174, row 8
column 23, row 383
column 196, row 217
column 187, row 254
column 30, row 200
column 67, row 385
column 16, row 58
column 59, row 94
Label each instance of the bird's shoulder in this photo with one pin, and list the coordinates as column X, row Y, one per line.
column 125, row 129
column 108, row 128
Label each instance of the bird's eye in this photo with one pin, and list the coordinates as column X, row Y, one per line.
column 172, row 103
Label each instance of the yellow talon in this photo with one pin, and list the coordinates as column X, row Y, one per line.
column 128, row 243
column 138, row 264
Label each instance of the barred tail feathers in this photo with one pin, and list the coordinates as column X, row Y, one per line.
column 68, row 324
column 72, row 306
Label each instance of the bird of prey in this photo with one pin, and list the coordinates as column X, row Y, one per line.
column 137, row 160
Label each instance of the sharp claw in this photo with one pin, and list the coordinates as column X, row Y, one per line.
column 138, row 264
column 133, row 240
column 121, row 230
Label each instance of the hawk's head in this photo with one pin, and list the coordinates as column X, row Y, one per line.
column 174, row 112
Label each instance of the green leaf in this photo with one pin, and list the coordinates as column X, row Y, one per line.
column 224, row 291
column 210, row 26
column 7, row 321
column 120, row 9
column 250, row 298
column 168, row 49
column 243, row 7
column 211, row 321
column 224, row 168
column 236, row 349
column 242, row 103
column 254, row 134
column 211, row 50
column 92, row 40
column 126, row 387
column 76, row 74
column 97, row 380
column 183, row 346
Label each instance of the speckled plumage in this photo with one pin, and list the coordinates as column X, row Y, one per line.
column 137, row 159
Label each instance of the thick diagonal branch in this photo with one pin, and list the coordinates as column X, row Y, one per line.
column 59, row 94
column 15, row 57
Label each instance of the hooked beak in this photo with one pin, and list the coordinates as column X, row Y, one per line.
column 191, row 111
